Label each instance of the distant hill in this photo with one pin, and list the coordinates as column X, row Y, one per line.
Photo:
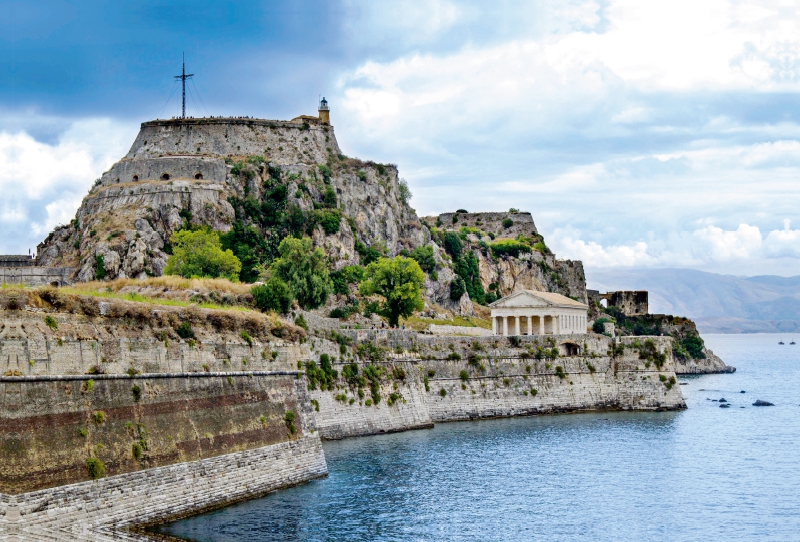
column 718, row 303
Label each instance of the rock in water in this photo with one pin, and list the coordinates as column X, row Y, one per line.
column 724, row 405
column 759, row 402
column 723, row 400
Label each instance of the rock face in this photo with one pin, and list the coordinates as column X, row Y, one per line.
column 213, row 172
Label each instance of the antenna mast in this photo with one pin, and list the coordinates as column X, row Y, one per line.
column 183, row 77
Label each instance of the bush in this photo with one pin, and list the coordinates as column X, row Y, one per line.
column 405, row 191
column 693, row 344
column 424, row 257
column 288, row 419
column 453, row 244
column 136, row 391
column 509, row 248
column 453, row 356
column 246, row 336
column 599, row 327
column 95, row 468
column 198, row 253
column 51, row 322
column 350, row 274
column 329, row 219
column 301, row 322
column 560, row 372
column 462, row 211
column 457, row 288
column 443, row 392
column 184, row 330
column 463, row 375
column 99, row 267
column 507, row 223
column 273, row 295
column 304, row 269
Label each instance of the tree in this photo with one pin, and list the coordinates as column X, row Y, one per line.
column 198, row 253
column 399, row 281
column 273, row 295
column 304, row 269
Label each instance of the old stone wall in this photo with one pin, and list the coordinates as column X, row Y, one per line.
column 36, row 275
column 105, row 509
column 51, row 426
column 455, row 378
column 521, row 223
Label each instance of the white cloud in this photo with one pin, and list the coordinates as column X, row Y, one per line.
column 783, row 243
column 43, row 183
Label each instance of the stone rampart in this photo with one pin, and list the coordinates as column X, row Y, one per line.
column 437, row 329
column 36, row 275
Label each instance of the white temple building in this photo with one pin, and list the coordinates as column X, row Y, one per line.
column 527, row 312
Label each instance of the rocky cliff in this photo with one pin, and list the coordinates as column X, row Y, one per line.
column 267, row 179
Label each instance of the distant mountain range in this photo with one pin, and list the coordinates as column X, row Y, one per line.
column 717, row 303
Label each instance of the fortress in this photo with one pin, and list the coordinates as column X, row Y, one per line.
column 115, row 418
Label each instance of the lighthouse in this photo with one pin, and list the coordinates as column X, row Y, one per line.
column 324, row 112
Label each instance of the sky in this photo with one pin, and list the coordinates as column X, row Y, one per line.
column 638, row 134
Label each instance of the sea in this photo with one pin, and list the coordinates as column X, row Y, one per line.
column 705, row 473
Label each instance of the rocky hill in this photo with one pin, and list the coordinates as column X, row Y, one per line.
column 257, row 181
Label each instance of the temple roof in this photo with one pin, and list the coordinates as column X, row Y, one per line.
column 532, row 298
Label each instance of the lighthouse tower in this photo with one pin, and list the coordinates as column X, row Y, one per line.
column 324, row 112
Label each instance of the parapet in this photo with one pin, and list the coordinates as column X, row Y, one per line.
column 505, row 224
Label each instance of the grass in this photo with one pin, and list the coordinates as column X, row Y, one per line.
column 420, row 324
column 98, row 289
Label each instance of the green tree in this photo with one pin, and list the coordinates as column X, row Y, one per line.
column 399, row 281
column 304, row 269
column 273, row 295
column 198, row 253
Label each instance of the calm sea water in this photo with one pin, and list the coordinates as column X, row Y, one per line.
column 706, row 473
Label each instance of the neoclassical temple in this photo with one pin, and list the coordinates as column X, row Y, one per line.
column 527, row 312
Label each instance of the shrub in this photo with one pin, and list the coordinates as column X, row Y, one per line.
column 51, row 322
column 99, row 417
column 453, row 244
column 509, row 248
column 136, row 450
column 288, row 419
column 693, row 344
column 137, row 392
column 273, row 295
column 463, row 375
column 184, row 330
column 457, row 288
column 350, row 274
column 95, row 468
column 507, row 223
column 591, row 367
column 453, row 356
column 329, row 219
column 304, row 269
column 560, row 372
column 443, row 392
column 598, row 326
column 424, row 257
column 405, row 191
column 199, row 253
column 462, row 211
column 534, row 391
column 99, row 267
column 246, row 336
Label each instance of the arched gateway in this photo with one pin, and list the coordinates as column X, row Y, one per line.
column 527, row 312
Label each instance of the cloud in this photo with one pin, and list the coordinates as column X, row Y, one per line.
column 43, row 183
column 709, row 247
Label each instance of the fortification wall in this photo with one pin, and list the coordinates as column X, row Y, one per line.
column 105, row 509
column 303, row 141
column 485, row 377
column 522, row 223
column 36, row 275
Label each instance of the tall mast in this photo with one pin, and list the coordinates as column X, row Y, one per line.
column 183, row 77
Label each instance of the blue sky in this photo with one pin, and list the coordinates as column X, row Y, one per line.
column 657, row 134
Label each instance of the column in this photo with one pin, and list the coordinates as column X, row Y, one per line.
column 494, row 325
column 541, row 324
column 516, row 326
column 557, row 325
column 505, row 326
column 530, row 325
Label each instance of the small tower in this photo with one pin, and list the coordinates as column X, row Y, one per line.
column 324, row 112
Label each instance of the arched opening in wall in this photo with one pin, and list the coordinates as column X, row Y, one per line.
column 571, row 349
column 198, row 176
column 135, row 178
column 117, row 180
column 165, row 177
column 55, row 284
column 604, row 303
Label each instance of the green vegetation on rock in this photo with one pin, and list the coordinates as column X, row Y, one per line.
column 399, row 282
column 199, row 253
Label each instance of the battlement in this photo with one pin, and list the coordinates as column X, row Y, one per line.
column 504, row 224
column 16, row 260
